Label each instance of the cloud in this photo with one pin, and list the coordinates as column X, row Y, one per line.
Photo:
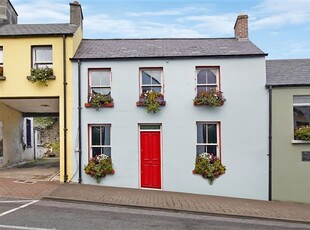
column 171, row 12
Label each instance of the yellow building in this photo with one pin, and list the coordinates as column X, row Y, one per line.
column 24, row 47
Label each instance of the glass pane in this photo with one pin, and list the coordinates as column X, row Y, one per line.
column 39, row 66
column 211, row 76
column 100, row 77
column 43, row 54
column 96, row 151
column 156, row 127
column 201, row 88
column 95, row 135
column 201, row 149
column 212, row 133
column 1, row 55
column 146, row 78
column 201, row 76
column 105, row 135
column 201, row 133
column 301, row 99
column 156, row 89
column 103, row 91
column 106, row 151
column 146, row 89
column 156, row 77
column 301, row 116
column 212, row 149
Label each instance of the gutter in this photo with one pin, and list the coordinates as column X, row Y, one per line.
column 65, row 106
column 79, row 120
column 270, row 145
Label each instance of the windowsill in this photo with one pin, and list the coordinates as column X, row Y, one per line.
column 161, row 103
column 49, row 78
column 2, row 78
column 88, row 105
column 195, row 104
column 300, row 142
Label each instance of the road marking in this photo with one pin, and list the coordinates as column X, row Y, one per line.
column 24, row 228
column 13, row 201
column 20, row 207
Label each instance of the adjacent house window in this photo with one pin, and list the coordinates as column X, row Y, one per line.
column 1, row 61
column 42, row 57
column 208, row 138
column 301, row 110
column 100, row 81
column 151, row 79
column 100, row 140
column 28, row 132
column 207, row 78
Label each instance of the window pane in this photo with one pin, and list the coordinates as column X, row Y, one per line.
column 106, row 151
column 146, row 89
column 156, row 89
column 96, row 151
column 146, row 78
column 105, row 135
column 103, row 91
column 301, row 116
column 156, row 77
column 301, row 100
column 143, row 127
column 201, row 149
column 211, row 76
column 43, row 54
column 201, row 133
column 212, row 149
column 201, row 77
column 1, row 55
column 100, row 77
column 212, row 133
column 95, row 134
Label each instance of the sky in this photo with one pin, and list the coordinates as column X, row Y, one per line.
column 280, row 28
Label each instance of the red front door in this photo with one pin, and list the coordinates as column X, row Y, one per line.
column 150, row 159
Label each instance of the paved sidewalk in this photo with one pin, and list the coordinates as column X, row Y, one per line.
column 183, row 202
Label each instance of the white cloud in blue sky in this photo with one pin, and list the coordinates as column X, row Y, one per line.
column 278, row 27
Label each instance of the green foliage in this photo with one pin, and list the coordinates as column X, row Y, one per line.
column 55, row 146
column 41, row 75
column 99, row 166
column 302, row 133
column 209, row 166
column 44, row 122
column 152, row 100
column 211, row 98
column 97, row 100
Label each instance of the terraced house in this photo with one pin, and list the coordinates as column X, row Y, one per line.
column 146, row 103
column 36, row 80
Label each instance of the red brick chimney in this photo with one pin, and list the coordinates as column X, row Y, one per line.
column 241, row 27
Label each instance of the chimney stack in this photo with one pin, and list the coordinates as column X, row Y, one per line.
column 76, row 14
column 241, row 27
column 8, row 15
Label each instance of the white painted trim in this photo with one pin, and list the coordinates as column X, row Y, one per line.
column 23, row 228
column 156, row 85
column 20, row 207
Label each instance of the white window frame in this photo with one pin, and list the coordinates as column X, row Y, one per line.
column 216, row 68
column 91, row 87
column 36, row 62
column 1, row 56
column 305, row 104
column 161, row 85
column 98, row 146
column 218, row 133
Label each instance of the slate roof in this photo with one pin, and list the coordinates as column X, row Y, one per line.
column 156, row 48
column 8, row 30
column 288, row 72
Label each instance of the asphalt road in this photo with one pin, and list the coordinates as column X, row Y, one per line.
column 47, row 215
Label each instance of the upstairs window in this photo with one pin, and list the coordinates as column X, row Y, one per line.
column 100, row 140
column 42, row 57
column 208, row 138
column 151, row 79
column 100, row 81
column 207, row 78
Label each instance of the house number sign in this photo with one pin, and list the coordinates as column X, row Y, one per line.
column 305, row 156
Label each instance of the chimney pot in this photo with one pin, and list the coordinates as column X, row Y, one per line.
column 241, row 27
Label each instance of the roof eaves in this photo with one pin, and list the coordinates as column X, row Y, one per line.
column 286, row 85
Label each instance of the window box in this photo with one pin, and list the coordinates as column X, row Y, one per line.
column 152, row 100
column 41, row 75
column 88, row 105
column 211, row 98
column 97, row 100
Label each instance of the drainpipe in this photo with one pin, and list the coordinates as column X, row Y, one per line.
column 65, row 107
column 80, row 115
column 270, row 144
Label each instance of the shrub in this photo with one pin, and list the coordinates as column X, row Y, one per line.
column 302, row 133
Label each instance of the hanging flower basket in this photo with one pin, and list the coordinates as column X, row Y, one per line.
column 99, row 166
column 209, row 167
column 152, row 101
column 97, row 100
column 211, row 98
column 41, row 75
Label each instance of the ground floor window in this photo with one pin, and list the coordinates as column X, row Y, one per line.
column 208, row 138
column 28, row 132
column 100, row 140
